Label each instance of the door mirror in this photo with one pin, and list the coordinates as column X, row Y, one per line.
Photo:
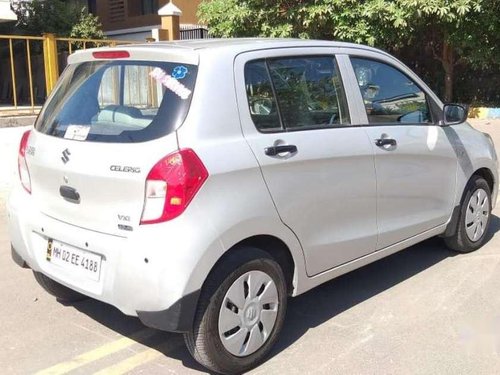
column 454, row 114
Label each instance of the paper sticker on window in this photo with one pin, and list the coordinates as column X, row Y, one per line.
column 171, row 83
column 77, row 132
column 179, row 72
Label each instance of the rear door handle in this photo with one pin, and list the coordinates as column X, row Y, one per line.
column 381, row 142
column 275, row 150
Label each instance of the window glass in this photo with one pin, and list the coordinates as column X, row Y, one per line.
column 309, row 92
column 119, row 101
column 261, row 101
column 389, row 95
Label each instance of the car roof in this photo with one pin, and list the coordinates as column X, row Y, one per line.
column 249, row 44
column 191, row 49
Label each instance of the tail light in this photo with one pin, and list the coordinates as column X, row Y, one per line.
column 171, row 185
column 24, row 173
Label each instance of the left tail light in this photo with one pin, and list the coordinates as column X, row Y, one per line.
column 24, row 173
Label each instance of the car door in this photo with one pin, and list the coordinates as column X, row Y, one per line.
column 414, row 160
column 318, row 168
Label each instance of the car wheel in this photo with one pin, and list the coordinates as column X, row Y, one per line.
column 475, row 216
column 240, row 313
column 59, row 291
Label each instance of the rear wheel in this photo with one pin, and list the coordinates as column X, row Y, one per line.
column 475, row 216
column 59, row 291
column 240, row 313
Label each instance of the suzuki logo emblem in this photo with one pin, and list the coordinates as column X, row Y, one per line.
column 250, row 314
column 65, row 157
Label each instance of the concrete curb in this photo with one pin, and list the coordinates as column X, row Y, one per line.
column 12, row 122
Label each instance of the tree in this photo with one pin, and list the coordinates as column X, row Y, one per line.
column 455, row 32
column 451, row 31
column 88, row 27
column 63, row 18
column 37, row 17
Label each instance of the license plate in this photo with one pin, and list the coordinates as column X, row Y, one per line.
column 81, row 262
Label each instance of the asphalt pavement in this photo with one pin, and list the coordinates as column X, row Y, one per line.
column 424, row 310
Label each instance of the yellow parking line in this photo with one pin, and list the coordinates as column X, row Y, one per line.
column 95, row 354
column 130, row 363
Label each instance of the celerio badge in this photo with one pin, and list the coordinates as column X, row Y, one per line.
column 124, row 168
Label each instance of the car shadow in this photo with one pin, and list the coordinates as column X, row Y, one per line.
column 306, row 311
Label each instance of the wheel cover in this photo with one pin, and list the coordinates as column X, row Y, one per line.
column 478, row 212
column 248, row 313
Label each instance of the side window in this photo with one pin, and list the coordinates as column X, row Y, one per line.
column 261, row 101
column 309, row 92
column 295, row 93
column 390, row 97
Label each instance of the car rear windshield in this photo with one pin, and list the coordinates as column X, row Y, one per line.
column 118, row 101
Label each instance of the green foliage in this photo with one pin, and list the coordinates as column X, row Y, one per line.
column 380, row 22
column 88, row 27
column 46, row 16
column 63, row 18
column 455, row 32
column 476, row 38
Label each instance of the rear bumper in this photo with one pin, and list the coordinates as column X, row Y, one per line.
column 17, row 258
column 140, row 275
column 177, row 318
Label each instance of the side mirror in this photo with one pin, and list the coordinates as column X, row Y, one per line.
column 454, row 114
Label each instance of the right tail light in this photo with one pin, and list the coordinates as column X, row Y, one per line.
column 171, row 185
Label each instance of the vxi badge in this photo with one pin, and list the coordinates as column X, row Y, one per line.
column 122, row 168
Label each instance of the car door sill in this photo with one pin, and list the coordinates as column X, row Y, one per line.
column 344, row 268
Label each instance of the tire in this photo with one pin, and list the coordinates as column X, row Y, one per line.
column 474, row 219
column 205, row 341
column 59, row 291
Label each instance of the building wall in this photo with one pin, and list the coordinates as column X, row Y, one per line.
column 125, row 14
column 5, row 13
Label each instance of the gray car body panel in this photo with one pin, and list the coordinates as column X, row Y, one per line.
column 238, row 201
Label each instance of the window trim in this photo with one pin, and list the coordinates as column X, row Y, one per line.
column 275, row 97
column 283, row 128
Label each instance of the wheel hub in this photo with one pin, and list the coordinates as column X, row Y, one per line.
column 477, row 214
column 251, row 314
column 248, row 313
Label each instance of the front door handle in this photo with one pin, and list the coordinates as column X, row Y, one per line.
column 381, row 142
column 275, row 150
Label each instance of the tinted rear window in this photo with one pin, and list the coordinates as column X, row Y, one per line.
column 118, row 101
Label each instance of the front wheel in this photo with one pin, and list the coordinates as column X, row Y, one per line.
column 240, row 313
column 475, row 216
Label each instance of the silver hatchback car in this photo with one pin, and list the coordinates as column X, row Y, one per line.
column 199, row 184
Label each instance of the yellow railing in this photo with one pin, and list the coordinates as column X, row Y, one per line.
column 49, row 48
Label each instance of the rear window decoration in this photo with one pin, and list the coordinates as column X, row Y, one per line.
column 179, row 72
column 171, row 83
column 77, row 132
